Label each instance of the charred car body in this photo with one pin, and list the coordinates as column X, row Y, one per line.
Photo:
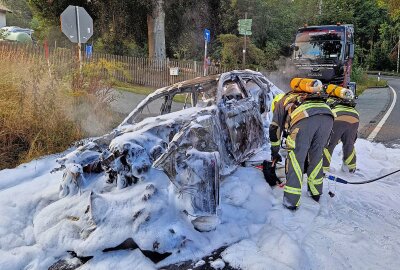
column 216, row 126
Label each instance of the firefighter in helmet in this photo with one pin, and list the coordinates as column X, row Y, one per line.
column 303, row 117
column 345, row 127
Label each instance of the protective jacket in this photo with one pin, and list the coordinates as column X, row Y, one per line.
column 307, row 123
column 290, row 109
column 345, row 128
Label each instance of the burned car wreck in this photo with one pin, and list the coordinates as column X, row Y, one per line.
column 196, row 132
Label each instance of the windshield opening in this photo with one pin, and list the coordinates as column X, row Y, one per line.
column 202, row 95
column 328, row 44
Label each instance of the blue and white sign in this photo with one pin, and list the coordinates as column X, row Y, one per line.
column 89, row 50
column 207, row 35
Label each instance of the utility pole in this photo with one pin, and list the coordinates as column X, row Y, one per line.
column 244, row 48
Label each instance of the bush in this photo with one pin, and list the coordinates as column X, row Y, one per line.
column 121, row 46
column 44, row 109
column 357, row 74
column 92, row 92
column 272, row 54
column 232, row 55
column 33, row 121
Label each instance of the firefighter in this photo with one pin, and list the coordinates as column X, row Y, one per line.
column 345, row 127
column 306, row 121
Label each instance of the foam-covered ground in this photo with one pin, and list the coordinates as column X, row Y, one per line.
column 359, row 228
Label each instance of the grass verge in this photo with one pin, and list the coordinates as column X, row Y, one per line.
column 137, row 89
column 370, row 82
column 146, row 90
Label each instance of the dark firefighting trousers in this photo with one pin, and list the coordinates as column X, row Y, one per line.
column 307, row 139
column 347, row 133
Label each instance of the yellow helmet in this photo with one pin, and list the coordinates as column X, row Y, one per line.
column 275, row 100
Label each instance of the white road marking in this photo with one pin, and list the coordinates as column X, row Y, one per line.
column 373, row 134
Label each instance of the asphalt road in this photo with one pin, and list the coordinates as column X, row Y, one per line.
column 125, row 102
column 372, row 105
column 389, row 134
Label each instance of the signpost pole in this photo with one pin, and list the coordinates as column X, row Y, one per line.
column 244, row 48
column 207, row 35
column 205, row 57
column 79, row 38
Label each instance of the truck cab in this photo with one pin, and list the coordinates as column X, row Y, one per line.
column 324, row 52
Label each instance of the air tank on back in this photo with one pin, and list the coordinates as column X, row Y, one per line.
column 306, row 85
column 339, row 91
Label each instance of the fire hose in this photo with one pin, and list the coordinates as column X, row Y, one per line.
column 343, row 181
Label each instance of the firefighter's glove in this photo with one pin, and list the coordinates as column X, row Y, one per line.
column 276, row 157
column 270, row 174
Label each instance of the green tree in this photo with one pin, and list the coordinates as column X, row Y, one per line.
column 231, row 52
column 21, row 14
column 127, row 26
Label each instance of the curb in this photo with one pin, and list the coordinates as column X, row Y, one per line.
column 386, row 86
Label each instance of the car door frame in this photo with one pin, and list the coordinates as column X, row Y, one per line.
column 241, row 114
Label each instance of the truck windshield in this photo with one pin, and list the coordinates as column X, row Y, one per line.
column 320, row 44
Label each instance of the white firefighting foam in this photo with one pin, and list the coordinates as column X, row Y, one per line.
column 358, row 228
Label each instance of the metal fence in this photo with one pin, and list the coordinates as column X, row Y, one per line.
column 137, row 70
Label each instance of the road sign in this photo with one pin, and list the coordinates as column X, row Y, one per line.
column 207, row 35
column 89, row 50
column 76, row 24
column 244, row 27
column 174, row 71
column 245, row 32
column 246, row 22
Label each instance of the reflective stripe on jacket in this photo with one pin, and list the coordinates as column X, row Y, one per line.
column 340, row 110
